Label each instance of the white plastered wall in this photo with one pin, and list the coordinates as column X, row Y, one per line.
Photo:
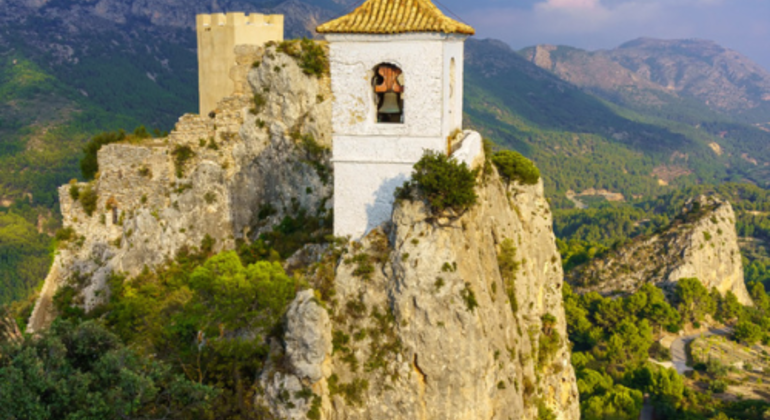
column 371, row 159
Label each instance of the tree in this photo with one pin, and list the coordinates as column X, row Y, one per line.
column 448, row 186
column 84, row 371
column 693, row 300
column 748, row 332
column 729, row 308
column 618, row 403
column 515, row 167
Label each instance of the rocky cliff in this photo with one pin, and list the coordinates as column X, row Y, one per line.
column 424, row 318
column 216, row 178
column 701, row 243
column 448, row 319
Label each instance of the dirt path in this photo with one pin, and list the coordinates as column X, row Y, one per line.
column 678, row 347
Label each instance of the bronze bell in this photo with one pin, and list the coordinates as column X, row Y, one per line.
column 389, row 104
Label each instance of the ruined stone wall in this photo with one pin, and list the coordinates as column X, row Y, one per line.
column 241, row 159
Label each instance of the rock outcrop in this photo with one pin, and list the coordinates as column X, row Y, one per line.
column 216, row 179
column 424, row 319
column 701, row 243
column 440, row 319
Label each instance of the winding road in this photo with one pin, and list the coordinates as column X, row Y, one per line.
column 679, row 354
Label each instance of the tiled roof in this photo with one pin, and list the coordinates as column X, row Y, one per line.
column 395, row 17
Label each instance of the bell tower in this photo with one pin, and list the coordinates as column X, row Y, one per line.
column 397, row 81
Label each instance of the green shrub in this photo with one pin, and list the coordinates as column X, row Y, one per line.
column 181, row 155
column 259, row 103
column 446, row 184
column 74, row 190
column 515, row 167
column 89, row 166
column 65, row 234
column 352, row 392
column 506, row 261
column 469, row 298
column 88, row 199
column 310, row 56
column 544, row 412
column 718, row 386
column 748, row 332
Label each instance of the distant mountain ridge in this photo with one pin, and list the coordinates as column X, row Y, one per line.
column 650, row 71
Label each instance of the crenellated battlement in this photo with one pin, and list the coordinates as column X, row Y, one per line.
column 218, row 34
column 237, row 19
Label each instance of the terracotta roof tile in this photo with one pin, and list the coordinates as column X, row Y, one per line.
column 395, row 17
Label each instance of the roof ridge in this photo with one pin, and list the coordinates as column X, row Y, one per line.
column 395, row 17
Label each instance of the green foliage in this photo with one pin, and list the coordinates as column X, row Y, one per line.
column 181, row 154
column 353, row 392
column 544, row 412
column 88, row 199
column 89, row 166
column 748, row 332
column 309, row 54
column 448, row 186
column 25, row 256
column 260, row 101
column 506, row 261
column 209, row 317
column 718, row 386
column 515, row 167
column 693, row 300
column 294, row 232
column 90, row 374
column 549, row 342
column 618, row 402
column 469, row 298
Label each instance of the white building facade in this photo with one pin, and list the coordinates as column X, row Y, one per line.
column 397, row 93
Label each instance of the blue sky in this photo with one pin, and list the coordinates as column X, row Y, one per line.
column 743, row 25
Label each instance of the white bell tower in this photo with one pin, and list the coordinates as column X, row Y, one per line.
column 397, row 81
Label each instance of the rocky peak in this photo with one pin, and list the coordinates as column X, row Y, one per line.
column 700, row 243
column 448, row 319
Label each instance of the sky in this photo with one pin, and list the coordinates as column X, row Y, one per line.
column 742, row 25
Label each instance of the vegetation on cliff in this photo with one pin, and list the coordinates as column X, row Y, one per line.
column 206, row 317
column 83, row 370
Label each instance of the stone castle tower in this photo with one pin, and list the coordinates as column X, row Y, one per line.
column 397, row 81
column 218, row 34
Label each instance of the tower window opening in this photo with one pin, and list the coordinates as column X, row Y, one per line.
column 388, row 84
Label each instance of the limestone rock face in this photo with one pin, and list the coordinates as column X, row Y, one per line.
column 702, row 243
column 422, row 323
column 225, row 176
column 308, row 337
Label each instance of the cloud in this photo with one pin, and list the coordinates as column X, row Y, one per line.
column 596, row 24
column 571, row 4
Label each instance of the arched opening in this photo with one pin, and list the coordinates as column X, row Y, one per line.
column 388, row 85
